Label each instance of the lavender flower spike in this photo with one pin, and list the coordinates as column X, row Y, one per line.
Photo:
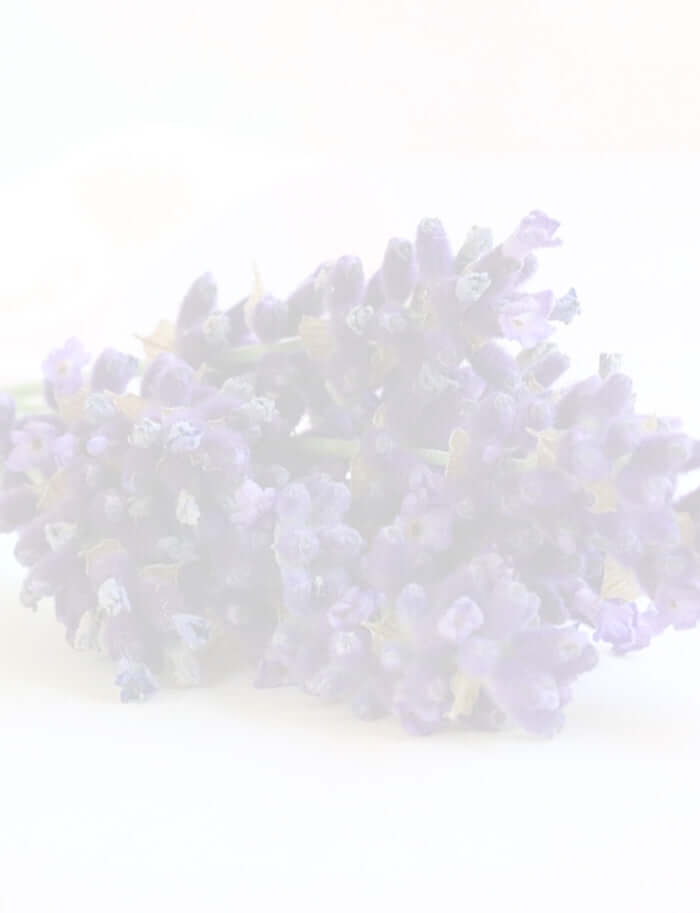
column 385, row 492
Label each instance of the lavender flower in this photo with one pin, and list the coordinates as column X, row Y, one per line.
column 399, row 270
column 63, row 367
column 32, row 447
column 113, row 370
column 433, row 251
column 381, row 491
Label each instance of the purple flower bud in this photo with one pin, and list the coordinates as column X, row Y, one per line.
column 619, row 625
column 460, row 620
column 183, row 436
column 535, row 230
column 113, row 598
column 577, row 401
column 532, row 699
column 550, row 367
column 98, row 445
column 538, row 413
column 329, row 683
column 525, row 318
column 470, row 384
column 355, row 606
column 308, row 298
column 62, row 368
column 496, row 366
column 198, row 303
column 413, row 610
column 58, row 533
column 135, row 681
column 387, row 561
column 297, row 589
column 107, row 509
column 510, row 607
column 65, row 449
column 427, row 526
column 622, row 436
column 113, row 370
column 477, row 244
column 99, row 408
column 471, row 286
column 31, row 446
column 294, row 503
column 478, row 656
column 70, row 605
column 433, row 251
column 31, row 543
column 192, row 629
column 580, row 454
column 361, row 319
column 145, row 433
column 370, row 700
column 331, row 499
column 564, row 651
column 615, row 395
column 224, row 454
column 694, row 458
column 678, row 603
column 17, row 507
column 169, row 380
column 346, row 284
column 270, row 318
column 495, row 415
column 292, row 655
column 421, row 699
column 345, row 644
column 52, row 572
column 399, row 270
column 566, row 308
column 341, row 543
column 375, row 296
column 248, row 503
column 528, row 270
column 108, row 560
column 661, row 452
column 296, row 545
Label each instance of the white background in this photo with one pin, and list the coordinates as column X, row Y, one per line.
column 145, row 142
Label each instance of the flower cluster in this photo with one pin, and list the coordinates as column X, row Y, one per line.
column 378, row 489
column 143, row 516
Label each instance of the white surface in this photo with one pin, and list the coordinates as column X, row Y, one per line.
column 233, row 798
column 145, row 142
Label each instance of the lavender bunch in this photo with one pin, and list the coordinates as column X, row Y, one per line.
column 484, row 584
column 144, row 516
column 379, row 488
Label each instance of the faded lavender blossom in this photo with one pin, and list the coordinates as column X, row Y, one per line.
column 63, row 368
column 136, row 514
column 378, row 489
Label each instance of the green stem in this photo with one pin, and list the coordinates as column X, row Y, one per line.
column 29, row 390
column 29, row 398
column 252, row 354
column 347, row 449
column 433, row 457
column 326, row 446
